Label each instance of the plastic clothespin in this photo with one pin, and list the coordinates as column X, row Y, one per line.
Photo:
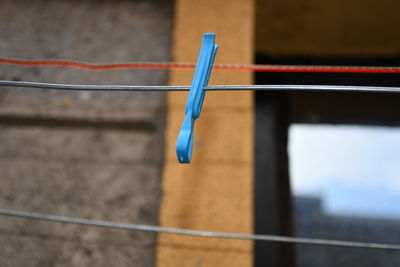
column 208, row 50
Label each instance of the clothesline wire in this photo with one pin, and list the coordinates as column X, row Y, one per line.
column 167, row 65
column 208, row 234
column 173, row 65
column 279, row 87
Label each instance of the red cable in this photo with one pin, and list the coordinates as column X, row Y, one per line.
column 167, row 65
column 73, row 64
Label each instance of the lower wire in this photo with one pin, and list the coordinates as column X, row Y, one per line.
column 278, row 87
column 159, row 229
column 179, row 231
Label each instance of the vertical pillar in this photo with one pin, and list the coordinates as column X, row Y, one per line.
column 272, row 207
column 214, row 192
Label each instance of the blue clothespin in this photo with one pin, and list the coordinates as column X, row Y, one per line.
column 184, row 144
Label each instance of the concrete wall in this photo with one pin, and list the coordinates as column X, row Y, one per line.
column 82, row 154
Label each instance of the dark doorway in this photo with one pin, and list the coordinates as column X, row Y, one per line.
column 276, row 211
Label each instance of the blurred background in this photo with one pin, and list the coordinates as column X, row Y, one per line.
column 326, row 165
column 343, row 148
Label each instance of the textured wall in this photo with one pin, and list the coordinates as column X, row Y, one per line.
column 91, row 155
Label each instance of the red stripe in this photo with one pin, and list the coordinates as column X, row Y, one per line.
column 149, row 65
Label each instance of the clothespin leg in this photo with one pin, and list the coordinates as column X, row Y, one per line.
column 184, row 144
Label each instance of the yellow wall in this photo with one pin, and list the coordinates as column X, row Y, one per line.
column 328, row 28
column 214, row 192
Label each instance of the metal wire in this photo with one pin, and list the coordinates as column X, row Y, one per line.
column 279, row 87
column 160, row 229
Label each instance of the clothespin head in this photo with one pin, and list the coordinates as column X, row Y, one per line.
column 184, row 144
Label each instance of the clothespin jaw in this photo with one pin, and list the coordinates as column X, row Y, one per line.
column 184, row 144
